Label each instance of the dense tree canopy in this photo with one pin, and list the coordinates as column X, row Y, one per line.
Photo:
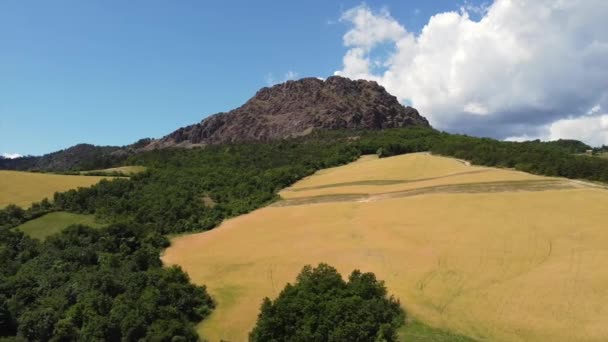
column 544, row 158
column 321, row 306
column 237, row 178
column 86, row 284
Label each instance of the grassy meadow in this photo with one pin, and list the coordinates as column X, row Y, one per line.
column 24, row 188
column 495, row 255
column 55, row 222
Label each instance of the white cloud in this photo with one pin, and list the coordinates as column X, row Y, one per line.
column 594, row 110
column 519, row 69
column 370, row 29
column 522, row 138
column 476, row 108
column 591, row 129
column 11, row 155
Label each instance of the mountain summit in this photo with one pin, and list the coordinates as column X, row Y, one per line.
column 296, row 108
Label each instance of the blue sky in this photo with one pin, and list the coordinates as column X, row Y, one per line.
column 110, row 72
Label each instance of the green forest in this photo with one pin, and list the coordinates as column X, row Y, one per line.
column 91, row 284
column 355, row 310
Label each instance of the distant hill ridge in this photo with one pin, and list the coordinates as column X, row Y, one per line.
column 77, row 157
column 296, row 108
column 289, row 109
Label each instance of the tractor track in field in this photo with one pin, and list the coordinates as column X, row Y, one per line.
column 483, row 187
column 381, row 182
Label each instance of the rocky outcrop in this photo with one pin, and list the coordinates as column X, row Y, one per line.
column 296, row 108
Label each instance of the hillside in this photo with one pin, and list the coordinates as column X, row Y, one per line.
column 466, row 248
column 25, row 188
column 76, row 158
column 189, row 190
column 296, row 108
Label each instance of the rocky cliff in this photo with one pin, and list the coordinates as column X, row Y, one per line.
column 296, row 108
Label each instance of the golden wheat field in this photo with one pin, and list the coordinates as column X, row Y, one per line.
column 496, row 255
column 25, row 188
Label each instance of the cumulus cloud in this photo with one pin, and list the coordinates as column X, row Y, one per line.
column 11, row 155
column 524, row 68
column 370, row 28
column 592, row 129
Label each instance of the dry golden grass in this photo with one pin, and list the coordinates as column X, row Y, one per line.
column 370, row 175
column 25, row 188
column 498, row 266
column 404, row 167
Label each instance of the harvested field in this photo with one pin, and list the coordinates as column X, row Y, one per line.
column 387, row 178
column 495, row 255
column 25, row 188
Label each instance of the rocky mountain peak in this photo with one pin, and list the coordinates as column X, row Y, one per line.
column 296, row 108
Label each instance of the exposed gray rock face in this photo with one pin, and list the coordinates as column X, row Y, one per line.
column 296, row 108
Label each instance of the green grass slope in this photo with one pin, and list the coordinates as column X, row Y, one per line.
column 55, row 222
column 418, row 331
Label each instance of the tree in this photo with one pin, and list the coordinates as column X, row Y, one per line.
column 321, row 306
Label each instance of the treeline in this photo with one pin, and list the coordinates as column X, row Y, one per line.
column 75, row 158
column 95, row 285
column 169, row 197
column 79, row 157
column 12, row 215
column 561, row 158
column 600, row 149
column 543, row 158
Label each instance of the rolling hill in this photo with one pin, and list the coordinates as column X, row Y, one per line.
column 25, row 188
column 493, row 254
